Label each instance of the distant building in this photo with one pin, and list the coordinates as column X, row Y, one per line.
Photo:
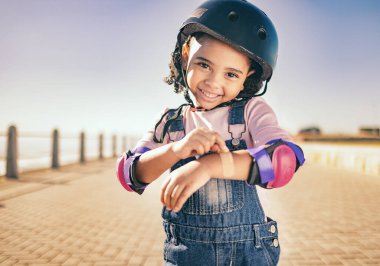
column 369, row 131
column 310, row 131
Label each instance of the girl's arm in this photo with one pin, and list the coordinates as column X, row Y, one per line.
column 199, row 141
column 184, row 181
column 142, row 166
column 242, row 161
column 155, row 162
column 268, row 166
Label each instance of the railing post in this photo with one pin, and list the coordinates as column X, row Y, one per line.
column 12, row 169
column 124, row 146
column 114, row 143
column 82, row 156
column 55, row 150
column 101, row 146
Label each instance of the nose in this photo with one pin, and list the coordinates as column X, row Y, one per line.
column 213, row 81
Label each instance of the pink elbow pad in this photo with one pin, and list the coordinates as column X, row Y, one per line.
column 126, row 170
column 284, row 164
column 120, row 174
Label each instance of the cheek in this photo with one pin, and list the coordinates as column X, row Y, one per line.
column 190, row 76
column 193, row 74
column 236, row 87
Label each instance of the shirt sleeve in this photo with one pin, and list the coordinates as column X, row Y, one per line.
column 126, row 164
column 262, row 123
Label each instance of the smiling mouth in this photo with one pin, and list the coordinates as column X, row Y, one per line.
column 209, row 94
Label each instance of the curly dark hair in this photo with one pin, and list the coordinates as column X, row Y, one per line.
column 252, row 84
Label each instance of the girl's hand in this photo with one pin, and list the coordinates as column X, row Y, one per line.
column 182, row 183
column 199, row 141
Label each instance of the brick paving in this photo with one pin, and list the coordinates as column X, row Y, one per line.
column 80, row 215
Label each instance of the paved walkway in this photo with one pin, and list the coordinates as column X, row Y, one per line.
column 80, row 215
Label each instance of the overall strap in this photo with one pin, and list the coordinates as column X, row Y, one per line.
column 236, row 113
column 237, row 126
column 177, row 124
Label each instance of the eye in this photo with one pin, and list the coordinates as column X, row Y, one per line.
column 232, row 75
column 203, row 65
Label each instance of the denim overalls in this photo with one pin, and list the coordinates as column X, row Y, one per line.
column 223, row 222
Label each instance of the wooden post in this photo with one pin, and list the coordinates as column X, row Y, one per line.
column 114, row 142
column 55, row 150
column 82, row 157
column 124, row 146
column 12, row 169
column 101, row 146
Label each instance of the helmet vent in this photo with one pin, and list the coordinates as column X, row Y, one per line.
column 233, row 16
column 262, row 34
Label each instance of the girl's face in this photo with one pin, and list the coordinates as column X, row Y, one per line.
column 215, row 71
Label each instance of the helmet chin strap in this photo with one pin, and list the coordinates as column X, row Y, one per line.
column 185, row 85
column 186, row 90
column 265, row 88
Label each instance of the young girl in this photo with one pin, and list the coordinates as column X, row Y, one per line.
column 220, row 144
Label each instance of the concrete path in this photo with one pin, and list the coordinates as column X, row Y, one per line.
column 80, row 215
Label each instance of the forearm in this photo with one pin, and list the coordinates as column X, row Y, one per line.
column 155, row 162
column 241, row 163
column 269, row 166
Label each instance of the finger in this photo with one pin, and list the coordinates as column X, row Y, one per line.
column 199, row 148
column 215, row 148
column 206, row 141
column 176, row 194
column 203, row 130
column 167, row 196
column 163, row 188
column 181, row 200
column 220, row 142
column 206, row 146
column 214, row 138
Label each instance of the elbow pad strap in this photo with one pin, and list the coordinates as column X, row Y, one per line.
column 295, row 148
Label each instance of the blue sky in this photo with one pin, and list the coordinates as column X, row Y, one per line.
column 98, row 65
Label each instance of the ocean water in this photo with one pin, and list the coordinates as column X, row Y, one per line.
column 35, row 153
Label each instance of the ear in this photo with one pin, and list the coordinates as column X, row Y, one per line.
column 252, row 71
column 185, row 55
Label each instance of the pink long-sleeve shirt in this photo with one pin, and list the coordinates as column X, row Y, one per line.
column 260, row 127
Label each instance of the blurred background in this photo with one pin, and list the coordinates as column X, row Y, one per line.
column 97, row 66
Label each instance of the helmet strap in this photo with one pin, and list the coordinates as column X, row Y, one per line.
column 265, row 88
column 185, row 84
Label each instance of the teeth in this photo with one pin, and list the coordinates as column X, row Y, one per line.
column 208, row 94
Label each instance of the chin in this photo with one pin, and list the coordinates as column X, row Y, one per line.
column 207, row 106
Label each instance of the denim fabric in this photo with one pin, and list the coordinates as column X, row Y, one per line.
column 177, row 124
column 235, row 245
column 223, row 222
column 236, row 115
